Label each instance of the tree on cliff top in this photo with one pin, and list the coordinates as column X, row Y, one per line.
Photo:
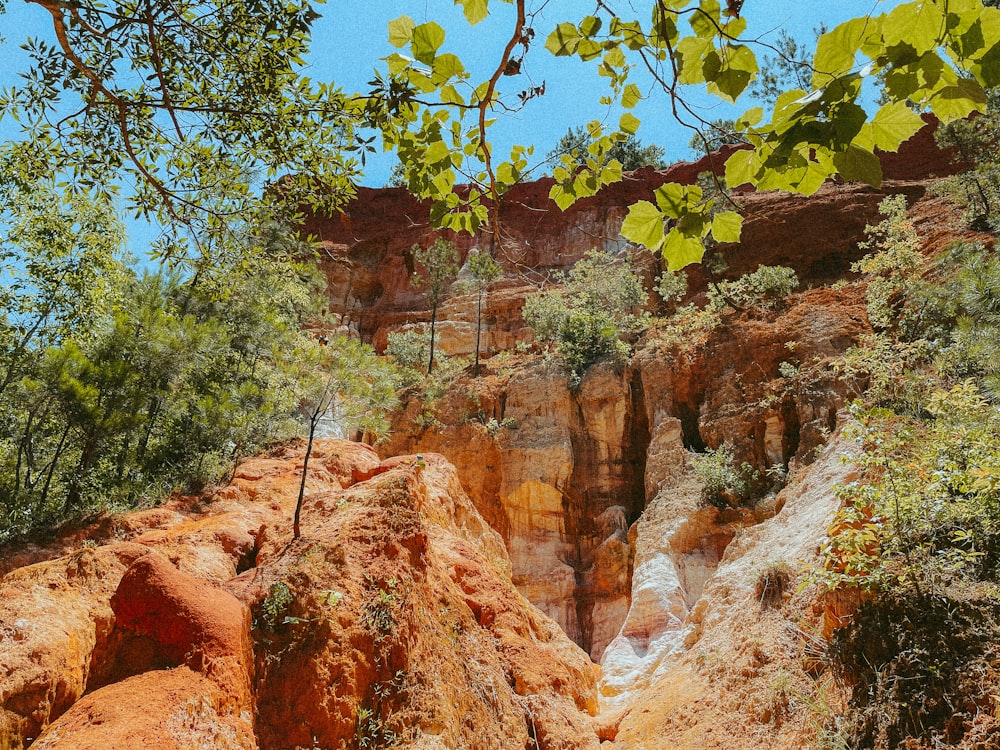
column 439, row 264
column 630, row 151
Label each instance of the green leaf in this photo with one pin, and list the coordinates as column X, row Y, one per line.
column 836, row 49
column 892, row 125
column 401, row 31
column 564, row 40
column 691, row 54
column 447, row 66
column 958, row 101
column 680, row 250
column 739, row 66
column 629, row 123
column 450, row 95
column 644, row 225
column 590, row 26
column 741, row 169
column 474, row 10
column 427, row 39
column 918, row 24
column 727, row 227
column 631, row 96
column 675, row 199
column 706, row 20
column 859, row 165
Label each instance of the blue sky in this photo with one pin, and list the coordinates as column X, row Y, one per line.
column 351, row 38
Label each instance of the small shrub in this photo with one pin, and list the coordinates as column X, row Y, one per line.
column 409, row 349
column 787, row 370
column 672, row 287
column 894, row 264
column 725, row 483
column 765, row 289
column 689, row 325
column 772, row 583
column 274, row 607
column 599, row 305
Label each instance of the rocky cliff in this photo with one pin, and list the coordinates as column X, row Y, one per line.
column 534, row 567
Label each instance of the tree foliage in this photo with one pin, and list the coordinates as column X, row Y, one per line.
column 438, row 267
column 598, row 303
column 941, row 63
column 197, row 105
column 483, row 271
column 629, row 152
column 120, row 387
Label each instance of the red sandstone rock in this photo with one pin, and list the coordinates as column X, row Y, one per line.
column 173, row 709
column 167, row 619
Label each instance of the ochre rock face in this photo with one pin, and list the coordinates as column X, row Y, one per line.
column 392, row 619
column 366, row 251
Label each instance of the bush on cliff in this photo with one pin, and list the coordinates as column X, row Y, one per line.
column 598, row 305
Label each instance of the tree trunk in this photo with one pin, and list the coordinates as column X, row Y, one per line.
column 479, row 328
column 430, row 362
column 313, row 420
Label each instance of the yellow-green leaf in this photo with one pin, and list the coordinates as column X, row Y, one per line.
column 680, row 250
column 727, row 226
column 629, row 123
column 892, row 125
column 401, row 31
column 859, row 165
column 563, row 40
column 474, row 10
column 644, row 225
column 427, row 39
column 631, row 96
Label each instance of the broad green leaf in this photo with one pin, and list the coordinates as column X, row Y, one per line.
column 564, row 40
column 447, row 66
column 629, row 123
column 859, row 165
column 644, row 225
column 590, row 26
column 751, row 117
column 691, row 53
column 675, row 199
column 738, row 68
column 958, row 101
column 680, row 250
column 630, row 33
column 614, row 58
column 506, row 173
column 474, row 10
column 918, row 24
column 631, row 96
column 450, row 95
column 397, row 63
column 741, row 169
column 705, row 22
column 588, row 49
column 892, row 125
column 727, row 226
column 401, row 31
column 427, row 39
column 835, row 50
column 611, row 173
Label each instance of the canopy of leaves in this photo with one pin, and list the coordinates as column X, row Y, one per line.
column 600, row 300
column 119, row 388
column 629, row 152
column 191, row 107
column 820, row 127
